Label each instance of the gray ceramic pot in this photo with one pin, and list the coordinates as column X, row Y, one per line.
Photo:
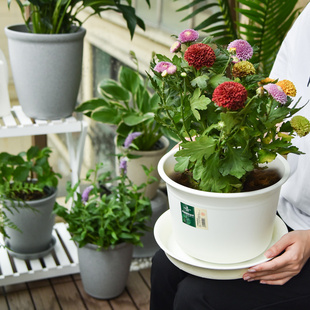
column 36, row 224
column 104, row 273
column 46, row 70
column 159, row 205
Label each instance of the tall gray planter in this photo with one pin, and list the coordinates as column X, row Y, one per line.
column 47, row 70
column 104, row 273
column 36, row 224
column 159, row 205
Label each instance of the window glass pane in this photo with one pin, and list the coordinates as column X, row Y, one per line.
column 102, row 135
column 104, row 66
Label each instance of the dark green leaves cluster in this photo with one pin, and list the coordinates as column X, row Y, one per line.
column 58, row 16
column 128, row 104
column 23, row 177
column 116, row 211
column 26, row 172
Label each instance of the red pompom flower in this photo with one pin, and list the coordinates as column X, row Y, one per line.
column 230, row 95
column 200, row 55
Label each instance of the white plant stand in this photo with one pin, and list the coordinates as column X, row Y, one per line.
column 18, row 124
column 63, row 259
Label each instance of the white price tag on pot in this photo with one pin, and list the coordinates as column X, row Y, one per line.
column 195, row 217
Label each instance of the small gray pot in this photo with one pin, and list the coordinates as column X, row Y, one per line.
column 35, row 239
column 104, row 273
column 47, row 70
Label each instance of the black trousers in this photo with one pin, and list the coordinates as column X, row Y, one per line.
column 174, row 289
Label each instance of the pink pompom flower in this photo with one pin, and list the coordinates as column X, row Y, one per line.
column 242, row 48
column 276, row 92
column 188, row 35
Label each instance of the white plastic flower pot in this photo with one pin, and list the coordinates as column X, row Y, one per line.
column 222, row 227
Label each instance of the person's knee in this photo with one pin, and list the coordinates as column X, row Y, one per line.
column 162, row 265
column 191, row 295
column 159, row 257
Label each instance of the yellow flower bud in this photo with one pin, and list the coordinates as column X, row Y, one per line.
column 301, row 125
column 243, row 68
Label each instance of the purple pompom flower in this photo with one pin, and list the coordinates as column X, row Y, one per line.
column 242, row 48
column 130, row 138
column 276, row 92
column 86, row 193
column 162, row 66
column 165, row 67
column 188, row 35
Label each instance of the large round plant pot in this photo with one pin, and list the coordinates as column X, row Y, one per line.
column 222, row 228
column 46, row 70
column 148, row 159
column 34, row 240
column 104, row 273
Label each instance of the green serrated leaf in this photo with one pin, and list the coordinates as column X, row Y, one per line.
column 200, row 81
column 182, row 164
column 236, row 163
column 198, row 102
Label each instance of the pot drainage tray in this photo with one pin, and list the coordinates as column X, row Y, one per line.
column 32, row 255
column 165, row 239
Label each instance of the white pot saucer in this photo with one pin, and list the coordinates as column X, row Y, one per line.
column 165, row 239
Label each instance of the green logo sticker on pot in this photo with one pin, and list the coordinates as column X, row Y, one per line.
column 194, row 216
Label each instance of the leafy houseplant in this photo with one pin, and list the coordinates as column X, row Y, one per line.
column 225, row 115
column 55, row 46
column 25, row 178
column 58, row 16
column 106, row 221
column 128, row 104
column 263, row 24
column 109, row 212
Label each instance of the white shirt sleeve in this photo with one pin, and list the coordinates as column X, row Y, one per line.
column 293, row 63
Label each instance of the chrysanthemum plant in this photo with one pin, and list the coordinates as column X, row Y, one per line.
column 229, row 119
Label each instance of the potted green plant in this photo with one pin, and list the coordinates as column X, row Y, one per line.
column 51, row 40
column 28, row 189
column 106, row 220
column 129, row 105
column 232, row 122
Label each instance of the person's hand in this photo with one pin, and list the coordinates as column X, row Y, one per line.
column 295, row 246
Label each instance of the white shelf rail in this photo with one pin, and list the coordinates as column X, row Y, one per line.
column 63, row 260
column 19, row 124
